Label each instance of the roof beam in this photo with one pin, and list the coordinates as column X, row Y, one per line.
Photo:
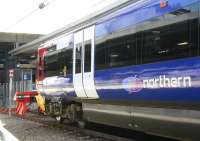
column 17, row 37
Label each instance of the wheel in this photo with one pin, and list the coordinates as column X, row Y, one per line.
column 74, row 114
column 71, row 113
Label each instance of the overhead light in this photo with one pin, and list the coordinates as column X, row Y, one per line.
column 183, row 43
column 156, row 32
column 157, row 38
column 163, row 51
column 114, row 55
column 18, row 65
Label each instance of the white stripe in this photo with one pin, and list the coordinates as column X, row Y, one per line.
column 167, row 118
column 6, row 135
column 108, row 111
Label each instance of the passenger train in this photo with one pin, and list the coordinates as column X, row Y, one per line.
column 136, row 68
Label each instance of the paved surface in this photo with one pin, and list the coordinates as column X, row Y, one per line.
column 26, row 130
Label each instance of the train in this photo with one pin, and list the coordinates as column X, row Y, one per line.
column 136, row 68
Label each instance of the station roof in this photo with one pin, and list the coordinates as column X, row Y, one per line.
column 32, row 47
column 8, row 41
column 17, row 37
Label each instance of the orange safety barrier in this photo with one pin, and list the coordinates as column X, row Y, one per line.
column 22, row 99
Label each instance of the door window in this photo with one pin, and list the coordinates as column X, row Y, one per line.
column 78, row 57
column 87, row 67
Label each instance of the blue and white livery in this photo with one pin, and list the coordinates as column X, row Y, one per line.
column 136, row 68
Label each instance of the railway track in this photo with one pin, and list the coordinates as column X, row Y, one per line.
column 84, row 134
column 94, row 132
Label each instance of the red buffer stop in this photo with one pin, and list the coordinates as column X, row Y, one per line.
column 23, row 99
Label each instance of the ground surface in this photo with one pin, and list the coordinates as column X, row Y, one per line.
column 26, row 130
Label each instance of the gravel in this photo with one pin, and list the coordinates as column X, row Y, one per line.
column 26, row 130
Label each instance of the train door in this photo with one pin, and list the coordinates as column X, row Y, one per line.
column 78, row 65
column 88, row 63
column 83, row 64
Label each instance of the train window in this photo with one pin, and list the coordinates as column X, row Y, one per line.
column 51, row 65
column 87, row 66
column 122, row 51
column 101, row 55
column 78, row 57
column 65, row 62
column 119, row 50
column 171, row 36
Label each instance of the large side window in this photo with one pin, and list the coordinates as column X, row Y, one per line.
column 51, row 65
column 122, row 51
column 116, row 52
column 58, row 63
column 171, row 36
column 101, row 55
column 65, row 62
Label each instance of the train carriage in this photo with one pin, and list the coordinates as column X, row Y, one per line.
column 136, row 68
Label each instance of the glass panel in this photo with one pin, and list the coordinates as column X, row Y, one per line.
column 65, row 62
column 87, row 66
column 51, row 65
column 171, row 36
column 122, row 51
column 101, row 55
column 78, row 57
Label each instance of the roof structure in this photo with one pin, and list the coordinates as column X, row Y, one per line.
column 18, row 37
column 32, row 47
